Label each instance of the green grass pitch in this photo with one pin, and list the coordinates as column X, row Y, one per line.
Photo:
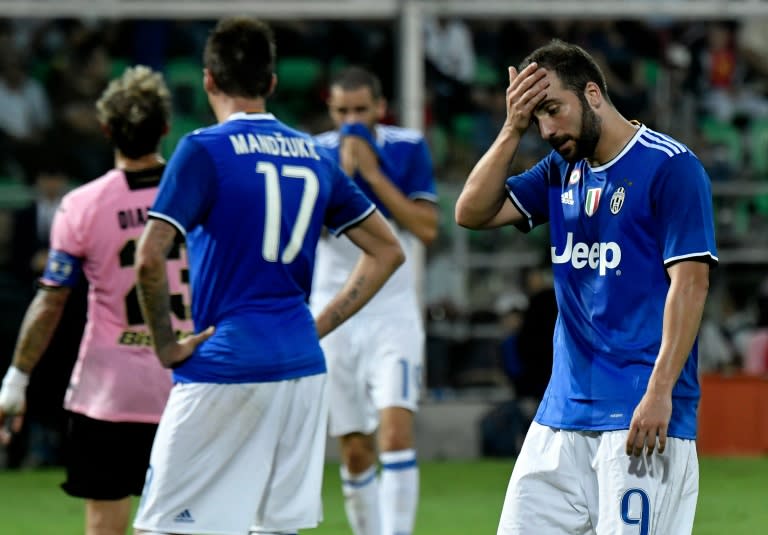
column 457, row 498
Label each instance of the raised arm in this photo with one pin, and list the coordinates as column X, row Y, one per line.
column 419, row 217
column 482, row 202
column 381, row 256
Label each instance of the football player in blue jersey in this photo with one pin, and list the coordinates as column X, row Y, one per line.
column 241, row 444
column 375, row 359
column 612, row 448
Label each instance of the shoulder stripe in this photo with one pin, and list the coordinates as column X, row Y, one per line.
column 673, row 140
column 397, row 133
column 656, row 146
column 328, row 139
column 676, row 148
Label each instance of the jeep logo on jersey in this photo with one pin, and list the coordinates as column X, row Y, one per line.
column 601, row 256
column 592, row 201
column 617, row 200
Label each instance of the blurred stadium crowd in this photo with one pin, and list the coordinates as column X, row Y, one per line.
column 704, row 82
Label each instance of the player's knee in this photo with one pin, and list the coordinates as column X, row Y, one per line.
column 358, row 461
column 395, row 429
column 107, row 517
column 358, row 452
column 395, row 438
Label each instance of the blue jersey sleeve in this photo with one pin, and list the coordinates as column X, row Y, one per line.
column 681, row 198
column 188, row 187
column 529, row 192
column 362, row 131
column 347, row 205
column 422, row 179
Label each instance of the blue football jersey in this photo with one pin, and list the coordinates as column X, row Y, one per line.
column 252, row 195
column 404, row 157
column 614, row 231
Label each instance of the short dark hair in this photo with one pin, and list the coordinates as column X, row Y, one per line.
column 572, row 64
column 240, row 56
column 136, row 108
column 351, row 78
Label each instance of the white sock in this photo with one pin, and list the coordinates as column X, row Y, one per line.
column 361, row 501
column 399, row 491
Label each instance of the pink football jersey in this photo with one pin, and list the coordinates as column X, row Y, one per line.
column 117, row 376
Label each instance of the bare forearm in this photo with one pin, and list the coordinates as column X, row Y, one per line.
column 368, row 276
column 682, row 317
column 347, row 302
column 419, row 218
column 155, row 302
column 38, row 326
column 484, row 192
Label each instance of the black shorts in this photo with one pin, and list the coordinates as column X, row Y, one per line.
column 106, row 460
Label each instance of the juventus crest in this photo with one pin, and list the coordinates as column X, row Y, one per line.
column 617, row 200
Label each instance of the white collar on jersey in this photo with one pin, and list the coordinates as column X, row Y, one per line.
column 252, row 116
column 626, row 148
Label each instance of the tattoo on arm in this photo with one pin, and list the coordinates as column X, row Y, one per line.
column 155, row 302
column 40, row 322
column 154, row 296
column 348, row 302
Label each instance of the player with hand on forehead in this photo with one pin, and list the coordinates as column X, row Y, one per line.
column 612, row 448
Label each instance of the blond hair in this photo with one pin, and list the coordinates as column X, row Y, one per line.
column 136, row 109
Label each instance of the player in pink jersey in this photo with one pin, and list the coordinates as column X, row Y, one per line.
column 118, row 388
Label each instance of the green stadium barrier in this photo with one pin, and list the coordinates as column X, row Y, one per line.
column 180, row 126
column 117, row 66
column 185, row 80
column 758, row 147
column 298, row 74
column 485, row 73
column 14, row 193
column 724, row 133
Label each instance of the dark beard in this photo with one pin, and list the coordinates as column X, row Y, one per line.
column 591, row 128
column 586, row 143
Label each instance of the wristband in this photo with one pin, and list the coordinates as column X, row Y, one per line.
column 14, row 377
column 13, row 393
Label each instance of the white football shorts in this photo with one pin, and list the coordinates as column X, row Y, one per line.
column 372, row 364
column 581, row 482
column 232, row 457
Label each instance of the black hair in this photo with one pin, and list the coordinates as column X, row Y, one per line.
column 572, row 64
column 240, row 56
column 351, row 78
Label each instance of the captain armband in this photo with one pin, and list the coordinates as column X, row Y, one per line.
column 62, row 269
